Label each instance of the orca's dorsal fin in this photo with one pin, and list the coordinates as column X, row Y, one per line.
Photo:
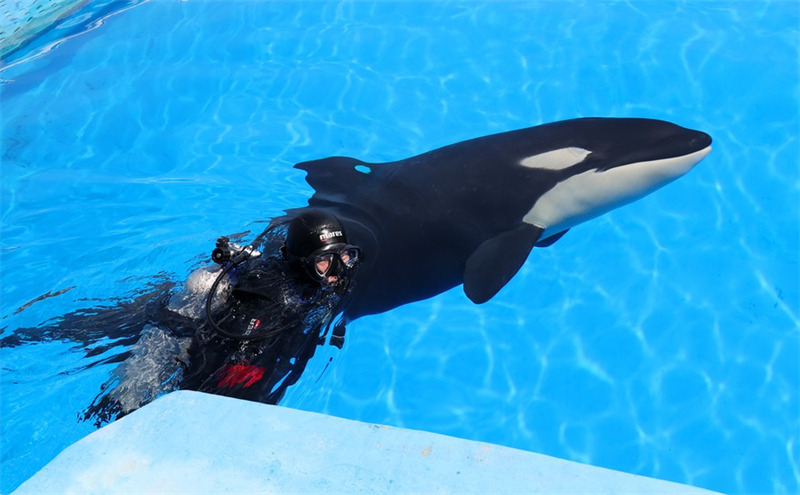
column 497, row 260
column 340, row 177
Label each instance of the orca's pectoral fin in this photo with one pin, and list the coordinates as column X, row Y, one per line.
column 497, row 260
column 549, row 241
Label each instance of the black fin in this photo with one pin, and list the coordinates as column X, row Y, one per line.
column 497, row 260
column 549, row 241
column 341, row 179
column 337, row 337
column 332, row 164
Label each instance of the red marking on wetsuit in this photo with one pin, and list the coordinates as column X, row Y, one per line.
column 240, row 374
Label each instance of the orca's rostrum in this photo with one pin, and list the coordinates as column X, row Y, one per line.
column 471, row 212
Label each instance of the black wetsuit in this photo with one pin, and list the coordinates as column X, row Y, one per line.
column 281, row 318
column 278, row 313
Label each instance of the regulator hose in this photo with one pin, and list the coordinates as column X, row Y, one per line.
column 235, row 261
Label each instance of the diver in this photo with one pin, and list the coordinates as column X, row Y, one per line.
column 246, row 326
column 257, row 343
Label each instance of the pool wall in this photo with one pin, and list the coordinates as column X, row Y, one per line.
column 21, row 20
column 189, row 442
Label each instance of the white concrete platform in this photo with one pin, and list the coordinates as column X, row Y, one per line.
column 193, row 443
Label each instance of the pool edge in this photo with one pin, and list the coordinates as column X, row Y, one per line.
column 189, row 442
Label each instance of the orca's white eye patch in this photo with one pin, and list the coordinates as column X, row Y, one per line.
column 557, row 159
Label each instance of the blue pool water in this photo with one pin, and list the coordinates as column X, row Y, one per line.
column 661, row 339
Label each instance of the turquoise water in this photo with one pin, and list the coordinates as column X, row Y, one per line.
column 22, row 20
column 661, row 339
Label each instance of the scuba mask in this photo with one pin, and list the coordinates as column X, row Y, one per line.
column 317, row 242
column 332, row 261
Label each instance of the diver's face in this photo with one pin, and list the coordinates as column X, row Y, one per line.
column 323, row 266
column 329, row 266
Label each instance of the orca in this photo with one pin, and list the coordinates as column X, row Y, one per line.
column 470, row 213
